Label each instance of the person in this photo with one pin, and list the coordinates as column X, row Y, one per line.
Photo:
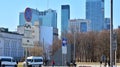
column 100, row 63
column 105, row 63
column 53, row 63
column 0, row 63
column 108, row 62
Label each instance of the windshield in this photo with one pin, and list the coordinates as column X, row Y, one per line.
column 6, row 59
column 29, row 60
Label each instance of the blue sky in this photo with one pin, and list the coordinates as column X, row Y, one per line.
column 10, row 9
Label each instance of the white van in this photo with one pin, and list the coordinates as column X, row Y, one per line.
column 7, row 61
column 33, row 61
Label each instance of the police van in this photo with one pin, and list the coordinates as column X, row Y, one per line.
column 33, row 61
column 6, row 61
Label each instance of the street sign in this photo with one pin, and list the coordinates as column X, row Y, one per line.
column 64, row 46
column 28, row 14
column 114, row 45
column 27, row 39
column 27, row 42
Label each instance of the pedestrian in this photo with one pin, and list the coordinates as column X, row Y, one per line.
column 100, row 63
column 105, row 63
column 53, row 63
column 0, row 63
column 108, row 62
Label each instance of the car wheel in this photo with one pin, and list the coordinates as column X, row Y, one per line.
column 40, row 65
column 15, row 65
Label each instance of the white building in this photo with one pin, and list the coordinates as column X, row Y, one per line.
column 41, row 32
column 42, row 35
column 79, row 25
column 11, row 44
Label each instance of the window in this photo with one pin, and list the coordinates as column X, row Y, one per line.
column 38, row 60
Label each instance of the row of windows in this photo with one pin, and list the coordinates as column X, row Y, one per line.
column 35, row 60
column 14, row 52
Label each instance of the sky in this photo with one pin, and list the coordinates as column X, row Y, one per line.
column 10, row 9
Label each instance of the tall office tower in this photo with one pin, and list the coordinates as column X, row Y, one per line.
column 79, row 25
column 95, row 13
column 107, row 24
column 46, row 18
column 65, row 17
column 119, row 27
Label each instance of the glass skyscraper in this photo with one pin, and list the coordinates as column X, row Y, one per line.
column 65, row 17
column 46, row 18
column 95, row 13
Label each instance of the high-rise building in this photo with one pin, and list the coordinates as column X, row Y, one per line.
column 119, row 27
column 107, row 24
column 65, row 17
column 95, row 13
column 79, row 25
column 46, row 18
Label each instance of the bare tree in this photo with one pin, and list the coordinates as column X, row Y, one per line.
column 37, row 50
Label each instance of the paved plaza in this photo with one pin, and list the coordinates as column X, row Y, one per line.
column 84, row 64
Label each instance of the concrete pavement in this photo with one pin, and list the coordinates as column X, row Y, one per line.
column 96, row 64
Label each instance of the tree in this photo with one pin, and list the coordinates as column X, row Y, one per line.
column 37, row 50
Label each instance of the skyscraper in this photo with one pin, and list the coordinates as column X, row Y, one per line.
column 46, row 18
column 65, row 16
column 119, row 27
column 95, row 13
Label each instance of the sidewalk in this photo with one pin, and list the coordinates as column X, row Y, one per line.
column 92, row 64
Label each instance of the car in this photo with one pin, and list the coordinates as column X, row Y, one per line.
column 33, row 61
column 7, row 61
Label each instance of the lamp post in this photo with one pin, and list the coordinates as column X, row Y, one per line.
column 74, row 45
column 111, row 35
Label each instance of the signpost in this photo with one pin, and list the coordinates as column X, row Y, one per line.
column 64, row 51
column 64, row 46
column 27, row 40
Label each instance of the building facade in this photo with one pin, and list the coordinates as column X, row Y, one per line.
column 95, row 13
column 107, row 24
column 65, row 17
column 11, row 44
column 79, row 25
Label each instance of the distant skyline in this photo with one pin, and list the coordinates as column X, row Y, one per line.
column 9, row 12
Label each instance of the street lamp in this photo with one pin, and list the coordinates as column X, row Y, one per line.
column 74, row 45
column 111, row 35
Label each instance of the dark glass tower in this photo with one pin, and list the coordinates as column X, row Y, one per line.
column 95, row 13
column 65, row 17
